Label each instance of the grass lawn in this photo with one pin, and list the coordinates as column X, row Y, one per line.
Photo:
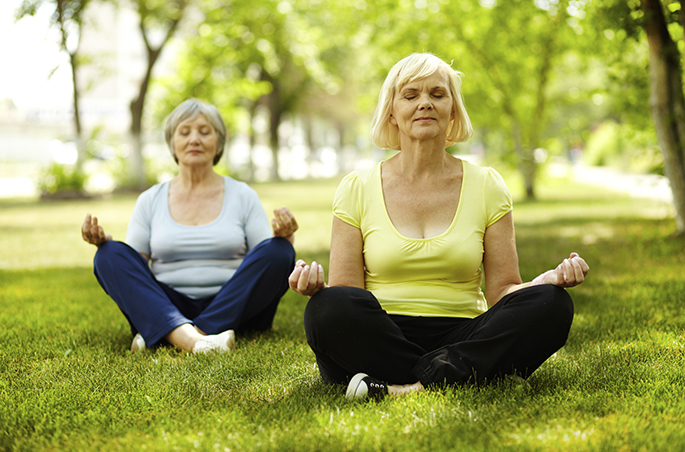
column 68, row 381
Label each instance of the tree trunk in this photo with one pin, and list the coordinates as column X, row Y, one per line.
column 252, row 142
column 308, row 125
column 275, row 116
column 667, row 102
column 136, row 107
column 526, row 162
column 80, row 146
column 342, row 160
column 138, row 104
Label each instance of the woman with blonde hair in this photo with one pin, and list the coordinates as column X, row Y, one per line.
column 412, row 240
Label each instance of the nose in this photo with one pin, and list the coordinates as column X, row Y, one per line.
column 194, row 136
column 425, row 103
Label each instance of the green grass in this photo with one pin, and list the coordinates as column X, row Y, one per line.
column 68, row 381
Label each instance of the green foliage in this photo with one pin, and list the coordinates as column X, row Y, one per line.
column 61, row 178
column 156, row 169
column 620, row 146
column 66, row 12
column 68, row 382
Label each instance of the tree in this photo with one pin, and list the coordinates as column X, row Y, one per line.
column 68, row 19
column 163, row 17
column 667, row 103
column 662, row 24
column 508, row 71
column 262, row 54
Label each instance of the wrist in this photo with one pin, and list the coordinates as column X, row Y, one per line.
column 540, row 279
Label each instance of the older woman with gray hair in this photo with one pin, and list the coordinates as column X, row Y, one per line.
column 412, row 240
column 200, row 260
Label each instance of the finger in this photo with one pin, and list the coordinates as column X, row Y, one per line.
column 578, row 273
column 569, row 274
column 303, row 281
column 293, row 223
column 313, row 275
column 583, row 264
column 279, row 215
column 321, row 279
column 295, row 277
column 85, row 226
column 94, row 228
column 284, row 217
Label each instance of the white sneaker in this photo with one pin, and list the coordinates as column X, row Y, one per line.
column 361, row 386
column 138, row 344
column 222, row 342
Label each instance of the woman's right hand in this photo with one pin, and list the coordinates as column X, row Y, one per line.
column 92, row 232
column 307, row 280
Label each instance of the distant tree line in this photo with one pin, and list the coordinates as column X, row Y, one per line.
column 539, row 74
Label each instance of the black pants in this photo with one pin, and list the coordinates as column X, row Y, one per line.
column 349, row 332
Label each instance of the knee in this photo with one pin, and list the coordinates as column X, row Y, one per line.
column 555, row 305
column 280, row 251
column 110, row 250
column 336, row 308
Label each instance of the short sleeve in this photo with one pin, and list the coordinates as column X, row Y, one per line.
column 256, row 222
column 347, row 204
column 139, row 227
column 496, row 196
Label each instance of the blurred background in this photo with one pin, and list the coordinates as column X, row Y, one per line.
column 552, row 86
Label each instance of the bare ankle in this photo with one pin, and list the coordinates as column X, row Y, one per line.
column 184, row 337
column 404, row 390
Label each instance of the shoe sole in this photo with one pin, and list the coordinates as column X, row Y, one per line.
column 354, row 386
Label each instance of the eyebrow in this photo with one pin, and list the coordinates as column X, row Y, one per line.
column 416, row 89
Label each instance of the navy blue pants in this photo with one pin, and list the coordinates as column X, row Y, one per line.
column 247, row 301
column 349, row 332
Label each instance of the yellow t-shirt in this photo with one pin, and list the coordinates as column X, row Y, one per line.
column 434, row 277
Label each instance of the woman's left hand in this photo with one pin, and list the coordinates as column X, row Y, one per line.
column 284, row 224
column 569, row 273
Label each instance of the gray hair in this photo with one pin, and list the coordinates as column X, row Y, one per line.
column 415, row 67
column 190, row 109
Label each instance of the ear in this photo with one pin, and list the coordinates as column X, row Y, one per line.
column 392, row 120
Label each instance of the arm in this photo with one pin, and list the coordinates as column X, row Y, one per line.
column 500, row 264
column 347, row 263
column 347, row 260
column 500, row 260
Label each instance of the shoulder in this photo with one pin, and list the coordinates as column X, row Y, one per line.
column 483, row 175
column 153, row 194
column 361, row 177
column 239, row 188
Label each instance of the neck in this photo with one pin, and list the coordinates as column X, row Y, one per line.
column 423, row 159
column 193, row 177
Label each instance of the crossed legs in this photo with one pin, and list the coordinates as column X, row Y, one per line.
column 350, row 333
column 156, row 311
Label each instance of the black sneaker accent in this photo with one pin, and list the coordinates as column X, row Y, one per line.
column 361, row 385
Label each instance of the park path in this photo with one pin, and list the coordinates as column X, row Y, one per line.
column 649, row 186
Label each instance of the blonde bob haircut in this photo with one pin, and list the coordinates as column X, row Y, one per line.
column 418, row 66
column 191, row 109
